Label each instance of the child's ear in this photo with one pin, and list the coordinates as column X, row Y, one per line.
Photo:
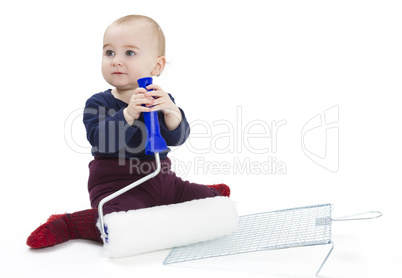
column 160, row 65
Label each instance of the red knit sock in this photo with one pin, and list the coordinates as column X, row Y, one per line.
column 222, row 189
column 63, row 227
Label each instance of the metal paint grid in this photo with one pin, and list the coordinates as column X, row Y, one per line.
column 302, row 226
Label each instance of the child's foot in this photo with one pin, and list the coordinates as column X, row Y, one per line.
column 63, row 227
column 222, row 189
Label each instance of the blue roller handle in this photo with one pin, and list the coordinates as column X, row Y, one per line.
column 155, row 142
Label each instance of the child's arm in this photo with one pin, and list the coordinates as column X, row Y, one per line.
column 134, row 108
column 172, row 114
column 107, row 129
column 173, row 123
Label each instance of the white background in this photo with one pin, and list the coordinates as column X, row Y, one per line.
column 273, row 61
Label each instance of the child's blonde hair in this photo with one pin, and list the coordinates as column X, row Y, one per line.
column 160, row 44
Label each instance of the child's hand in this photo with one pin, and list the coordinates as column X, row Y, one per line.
column 163, row 102
column 134, row 108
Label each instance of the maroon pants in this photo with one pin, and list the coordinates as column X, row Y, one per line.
column 108, row 175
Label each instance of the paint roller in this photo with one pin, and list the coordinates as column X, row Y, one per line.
column 162, row 227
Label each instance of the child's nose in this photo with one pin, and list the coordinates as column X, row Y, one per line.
column 117, row 61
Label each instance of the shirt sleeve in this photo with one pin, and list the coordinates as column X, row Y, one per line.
column 107, row 129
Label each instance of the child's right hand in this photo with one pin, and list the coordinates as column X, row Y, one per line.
column 134, row 108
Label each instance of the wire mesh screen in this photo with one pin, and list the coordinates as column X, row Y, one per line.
column 294, row 227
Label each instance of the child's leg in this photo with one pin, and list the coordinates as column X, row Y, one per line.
column 63, row 227
column 82, row 224
column 187, row 191
column 175, row 190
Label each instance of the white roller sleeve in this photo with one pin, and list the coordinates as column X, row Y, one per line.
column 145, row 230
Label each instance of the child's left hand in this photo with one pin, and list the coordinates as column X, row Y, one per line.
column 162, row 100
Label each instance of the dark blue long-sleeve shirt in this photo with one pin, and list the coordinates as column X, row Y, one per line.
column 110, row 135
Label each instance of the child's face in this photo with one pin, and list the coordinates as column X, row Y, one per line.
column 129, row 53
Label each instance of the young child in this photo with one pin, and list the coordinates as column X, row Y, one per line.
column 133, row 47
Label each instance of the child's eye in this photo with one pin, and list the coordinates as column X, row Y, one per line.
column 109, row 53
column 130, row 53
